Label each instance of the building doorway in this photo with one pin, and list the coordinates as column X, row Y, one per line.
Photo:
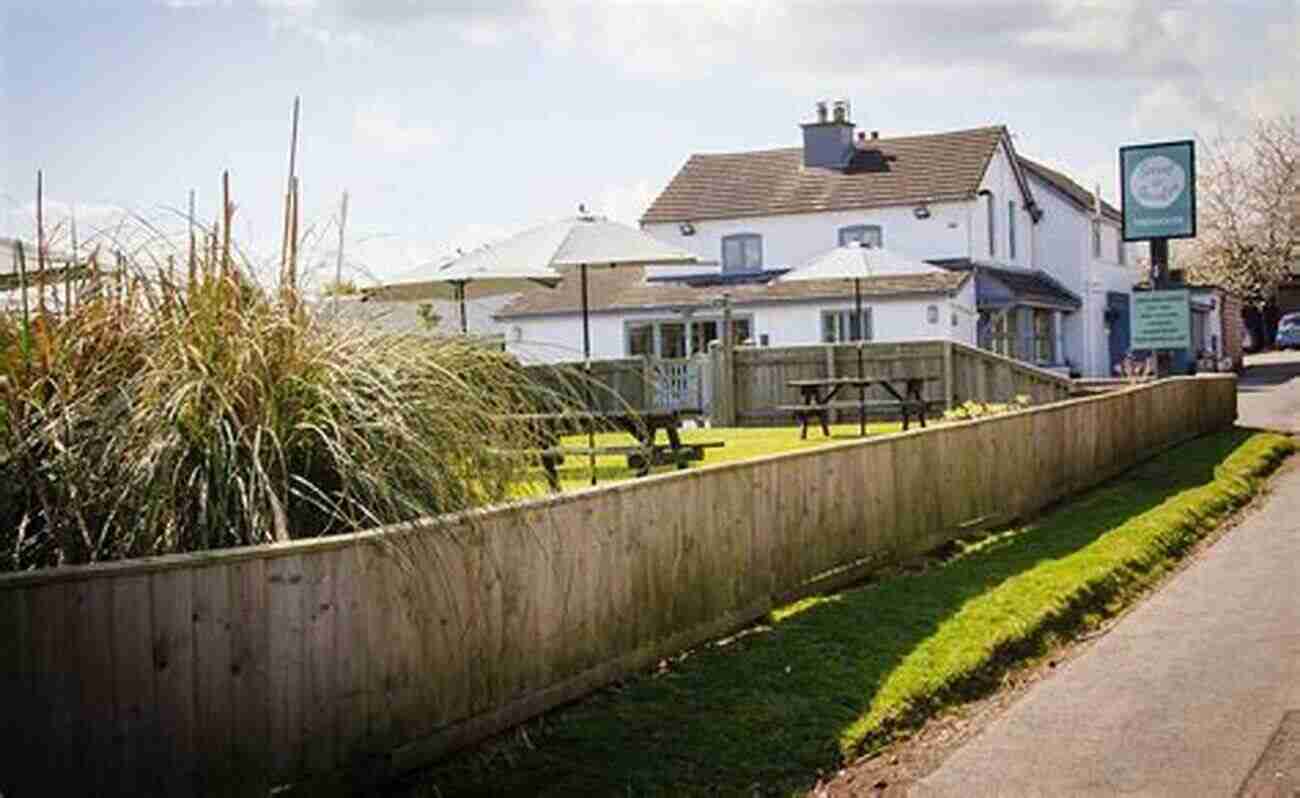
column 1117, row 326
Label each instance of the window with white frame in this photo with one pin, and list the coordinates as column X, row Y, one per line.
column 1011, row 230
column 680, row 338
column 871, row 234
column 1044, row 345
column 640, row 338
column 742, row 252
column 1002, row 332
column 844, row 326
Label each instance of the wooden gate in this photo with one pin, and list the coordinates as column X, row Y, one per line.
column 677, row 384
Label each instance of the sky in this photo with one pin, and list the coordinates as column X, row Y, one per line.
column 453, row 124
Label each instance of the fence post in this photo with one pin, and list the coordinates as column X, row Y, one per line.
column 721, row 366
column 649, row 385
column 830, row 373
column 949, row 389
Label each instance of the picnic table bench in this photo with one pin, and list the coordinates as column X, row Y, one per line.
column 819, row 399
column 643, row 426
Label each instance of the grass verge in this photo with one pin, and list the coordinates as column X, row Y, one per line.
column 837, row 676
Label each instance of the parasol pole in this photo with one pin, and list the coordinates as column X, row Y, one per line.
column 586, row 365
column 460, row 296
column 862, row 389
column 338, row 263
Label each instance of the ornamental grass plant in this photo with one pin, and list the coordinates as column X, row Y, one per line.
column 159, row 414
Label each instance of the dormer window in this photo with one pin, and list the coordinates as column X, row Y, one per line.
column 742, row 252
column 871, row 234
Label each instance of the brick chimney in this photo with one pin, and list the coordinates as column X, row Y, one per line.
column 828, row 142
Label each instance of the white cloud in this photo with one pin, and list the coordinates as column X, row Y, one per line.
column 1183, row 109
column 92, row 219
column 381, row 124
column 1213, row 60
column 627, row 201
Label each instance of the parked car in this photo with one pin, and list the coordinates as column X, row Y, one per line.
column 1288, row 332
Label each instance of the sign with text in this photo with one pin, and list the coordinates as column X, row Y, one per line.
column 1161, row 320
column 1158, row 190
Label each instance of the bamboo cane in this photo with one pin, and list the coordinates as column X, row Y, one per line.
column 40, row 241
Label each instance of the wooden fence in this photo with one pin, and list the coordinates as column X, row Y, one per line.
column 751, row 382
column 616, row 384
column 364, row 655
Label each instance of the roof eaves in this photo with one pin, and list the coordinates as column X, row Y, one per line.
column 735, row 303
column 1065, row 187
column 1035, row 212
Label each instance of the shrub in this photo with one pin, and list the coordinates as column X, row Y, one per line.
column 156, row 417
column 972, row 409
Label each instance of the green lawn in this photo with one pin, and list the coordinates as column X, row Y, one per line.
column 836, row 676
column 742, row 443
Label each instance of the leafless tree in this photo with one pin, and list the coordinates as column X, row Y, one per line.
column 1248, row 230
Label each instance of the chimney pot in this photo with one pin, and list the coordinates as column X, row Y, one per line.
column 875, row 134
column 821, row 111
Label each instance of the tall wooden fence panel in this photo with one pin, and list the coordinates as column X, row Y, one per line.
column 984, row 376
column 364, row 655
column 614, row 384
column 760, row 376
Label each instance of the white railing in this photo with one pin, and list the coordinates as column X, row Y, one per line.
column 677, row 384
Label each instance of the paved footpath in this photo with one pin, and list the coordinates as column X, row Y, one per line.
column 1189, row 694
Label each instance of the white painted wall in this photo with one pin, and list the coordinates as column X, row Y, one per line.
column 792, row 240
column 1000, row 179
column 1063, row 248
column 404, row 316
column 555, row 338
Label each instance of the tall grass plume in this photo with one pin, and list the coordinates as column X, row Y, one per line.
column 161, row 414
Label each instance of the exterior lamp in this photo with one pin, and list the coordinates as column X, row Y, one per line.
column 921, row 211
column 686, row 229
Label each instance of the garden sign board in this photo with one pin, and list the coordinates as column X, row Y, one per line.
column 1161, row 320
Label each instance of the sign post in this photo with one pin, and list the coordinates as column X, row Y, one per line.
column 1158, row 195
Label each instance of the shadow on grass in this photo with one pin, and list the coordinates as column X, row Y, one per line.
column 770, row 708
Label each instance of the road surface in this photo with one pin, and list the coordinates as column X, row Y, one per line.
column 1196, row 691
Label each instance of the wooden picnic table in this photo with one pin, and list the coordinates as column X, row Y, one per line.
column 642, row 425
column 818, row 397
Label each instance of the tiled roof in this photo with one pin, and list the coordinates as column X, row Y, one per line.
column 1029, row 285
column 1075, row 193
column 885, row 172
column 625, row 288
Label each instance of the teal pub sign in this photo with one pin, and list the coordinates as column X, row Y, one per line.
column 1161, row 320
column 1158, row 190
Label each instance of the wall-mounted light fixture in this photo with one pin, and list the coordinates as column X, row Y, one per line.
column 921, row 211
column 686, row 229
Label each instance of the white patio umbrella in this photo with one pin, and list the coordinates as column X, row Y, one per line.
column 857, row 261
column 492, row 270
column 544, row 253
